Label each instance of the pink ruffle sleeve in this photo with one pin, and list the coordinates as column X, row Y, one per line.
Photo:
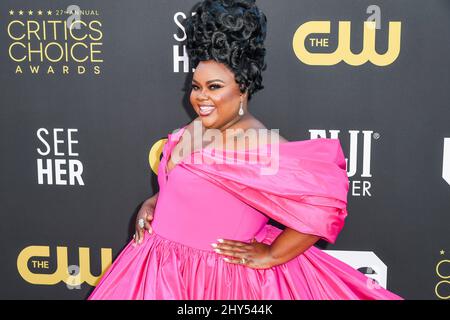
column 308, row 193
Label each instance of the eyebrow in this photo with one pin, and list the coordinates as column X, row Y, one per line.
column 209, row 81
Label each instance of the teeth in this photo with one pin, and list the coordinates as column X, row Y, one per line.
column 206, row 110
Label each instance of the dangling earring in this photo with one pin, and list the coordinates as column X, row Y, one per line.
column 241, row 110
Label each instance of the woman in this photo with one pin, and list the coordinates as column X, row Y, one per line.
column 208, row 233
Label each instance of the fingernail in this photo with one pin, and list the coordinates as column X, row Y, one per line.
column 226, row 259
column 217, row 250
column 214, row 244
column 220, row 240
column 149, row 231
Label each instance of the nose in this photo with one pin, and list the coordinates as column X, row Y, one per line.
column 202, row 96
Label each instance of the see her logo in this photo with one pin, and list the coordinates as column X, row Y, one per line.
column 57, row 163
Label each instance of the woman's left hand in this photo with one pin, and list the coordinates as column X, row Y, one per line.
column 256, row 254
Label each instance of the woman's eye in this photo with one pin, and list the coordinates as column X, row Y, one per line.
column 213, row 86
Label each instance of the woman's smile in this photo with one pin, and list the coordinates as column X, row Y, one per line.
column 206, row 110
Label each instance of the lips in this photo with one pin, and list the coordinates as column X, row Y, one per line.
column 206, row 110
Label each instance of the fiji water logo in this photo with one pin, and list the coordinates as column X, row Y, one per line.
column 358, row 167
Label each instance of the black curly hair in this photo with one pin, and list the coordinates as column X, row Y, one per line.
column 231, row 32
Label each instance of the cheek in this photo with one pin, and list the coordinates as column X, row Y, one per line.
column 225, row 101
column 192, row 97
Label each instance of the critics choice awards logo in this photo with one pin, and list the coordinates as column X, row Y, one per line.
column 54, row 41
column 442, row 286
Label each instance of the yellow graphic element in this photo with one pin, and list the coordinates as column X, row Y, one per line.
column 343, row 50
column 437, row 269
column 155, row 154
column 441, row 283
column 62, row 271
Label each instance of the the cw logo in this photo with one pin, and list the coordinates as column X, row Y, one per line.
column 62, row 272
column 343, row 50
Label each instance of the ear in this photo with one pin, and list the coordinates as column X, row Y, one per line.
column 245, row 94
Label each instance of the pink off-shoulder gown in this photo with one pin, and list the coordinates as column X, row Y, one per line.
column 199, row 204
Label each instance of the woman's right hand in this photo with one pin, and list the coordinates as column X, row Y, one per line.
column 145, row 213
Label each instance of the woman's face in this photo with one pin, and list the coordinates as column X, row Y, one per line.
column 215, row 95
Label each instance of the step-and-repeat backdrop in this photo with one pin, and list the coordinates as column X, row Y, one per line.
column 90, row 89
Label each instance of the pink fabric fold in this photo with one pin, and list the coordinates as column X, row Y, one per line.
column 308, row 193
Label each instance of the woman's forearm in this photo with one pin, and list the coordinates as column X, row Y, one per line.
column 289, row 244
column 152, row 200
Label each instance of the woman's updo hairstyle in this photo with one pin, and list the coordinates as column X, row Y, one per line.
column 231, row 32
